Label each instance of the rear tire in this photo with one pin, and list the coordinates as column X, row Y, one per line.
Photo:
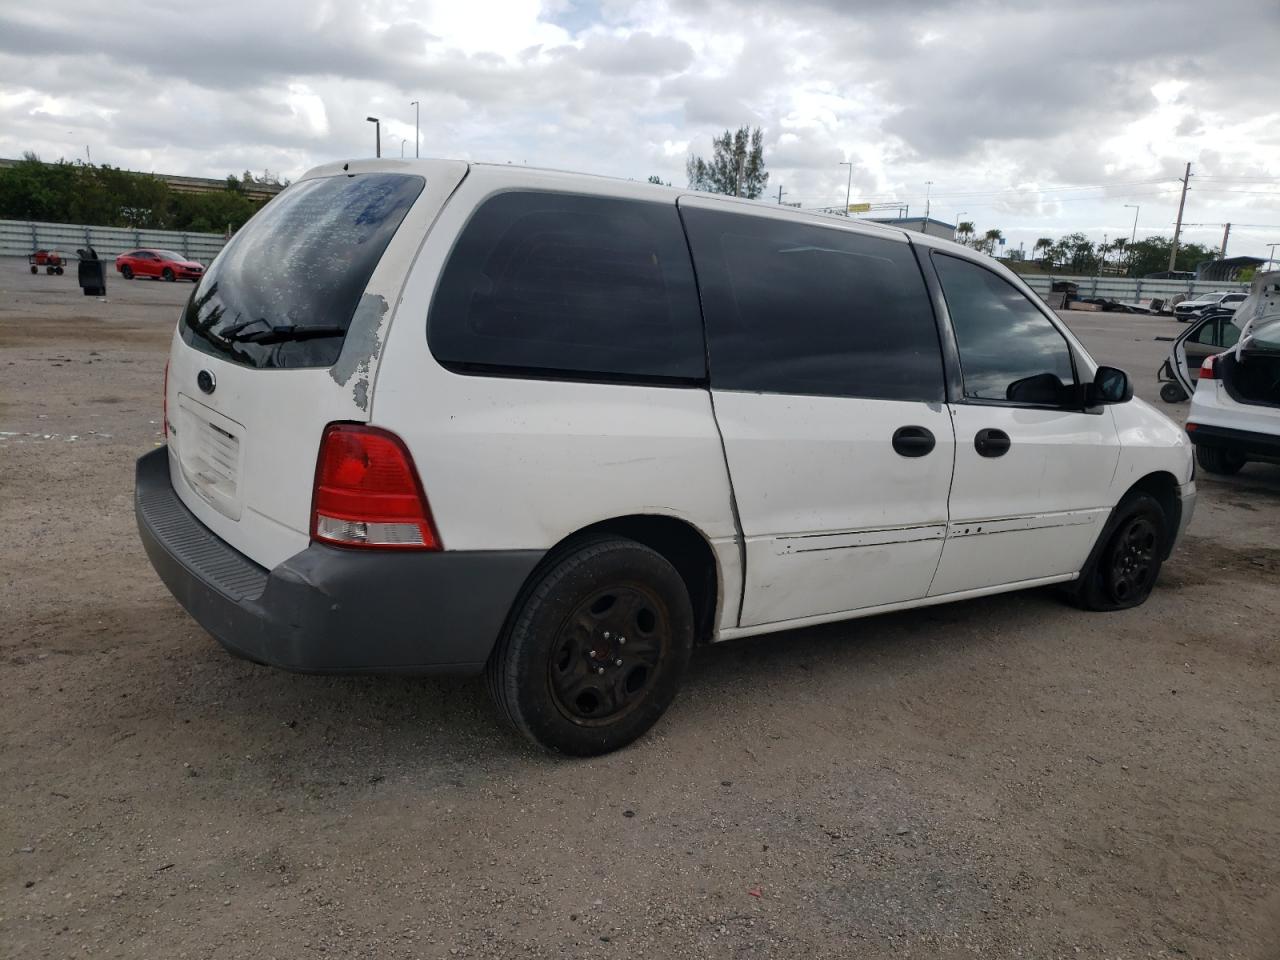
column 1172, row 393
column 58, row 271
column 35, row 269
column 595, row 648
column 168, row 275
column 1126, row 560
column 127, row 272
column 1220, row 461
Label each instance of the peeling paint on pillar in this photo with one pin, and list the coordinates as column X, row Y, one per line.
column 363, row 343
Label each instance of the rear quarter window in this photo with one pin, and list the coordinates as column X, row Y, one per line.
column 567, row 285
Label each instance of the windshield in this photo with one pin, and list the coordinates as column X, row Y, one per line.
column 283, row 291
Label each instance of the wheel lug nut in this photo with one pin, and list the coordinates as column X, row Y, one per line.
column 617, row 663
column 607, row 634
column 622, row 641
column 593, row 653
column 599, row 669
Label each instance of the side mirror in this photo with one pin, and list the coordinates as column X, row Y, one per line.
column 1111, row 385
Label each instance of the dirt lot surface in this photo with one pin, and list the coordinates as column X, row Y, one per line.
column 1006, row 777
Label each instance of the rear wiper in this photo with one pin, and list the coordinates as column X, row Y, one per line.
column 286, row 332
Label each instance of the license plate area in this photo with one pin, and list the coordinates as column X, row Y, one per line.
column 209, row 448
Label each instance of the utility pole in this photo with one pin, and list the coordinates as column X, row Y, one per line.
column 417, row 115
column 1177, row 229
column 848, row 190
column 1272, row 258
column 779, row 194
column 928, row 186
column 1226, row 232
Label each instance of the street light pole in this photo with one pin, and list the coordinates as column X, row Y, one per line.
column 1272, row 259
column 417, row 115
column 1133, row 238
column 928, row 187
column 848, row 190
column 377, row 135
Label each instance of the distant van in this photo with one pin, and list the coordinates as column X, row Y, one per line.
column 426, row 416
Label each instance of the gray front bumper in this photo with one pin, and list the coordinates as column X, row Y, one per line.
column 1187, row 508
column 327, row 609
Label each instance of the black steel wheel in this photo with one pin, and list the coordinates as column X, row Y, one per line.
column 595, row 648
column 1125, row 562
column 127, row 272
column 1132, row 559
column 168, row 274
column 608, row 653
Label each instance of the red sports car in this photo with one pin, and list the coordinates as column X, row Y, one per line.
column 158, row 263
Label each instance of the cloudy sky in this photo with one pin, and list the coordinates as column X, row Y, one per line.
column 1037, row 118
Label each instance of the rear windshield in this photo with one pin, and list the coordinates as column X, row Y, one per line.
column 283, row 291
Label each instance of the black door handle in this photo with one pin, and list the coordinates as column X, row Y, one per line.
column 992, row 443
column 913, row 441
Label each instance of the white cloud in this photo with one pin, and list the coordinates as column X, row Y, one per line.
column 1008, row 106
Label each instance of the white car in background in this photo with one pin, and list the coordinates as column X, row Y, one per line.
column 1190, row 309
column 1235, row 409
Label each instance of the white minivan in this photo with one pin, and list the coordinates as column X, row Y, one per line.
column 431, row 416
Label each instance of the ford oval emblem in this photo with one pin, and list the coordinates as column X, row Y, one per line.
column 205, row 381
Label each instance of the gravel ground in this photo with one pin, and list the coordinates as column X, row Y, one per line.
column 1004, row 777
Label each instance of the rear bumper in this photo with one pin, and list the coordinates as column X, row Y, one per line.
column 326, row 609
column 1248, row 442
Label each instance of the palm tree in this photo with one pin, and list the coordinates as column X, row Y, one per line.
column 991, row 238
column 1045, row 244
column 964, row 231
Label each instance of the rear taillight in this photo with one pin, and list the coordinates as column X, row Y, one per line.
column 164, row 403
column 367, row 492
column 1209, row 369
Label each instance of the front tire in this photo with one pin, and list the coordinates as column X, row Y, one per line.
column 168, row 275
column 595, row 648
column 1219, row 461
column 127, row 272
column 1125, row 563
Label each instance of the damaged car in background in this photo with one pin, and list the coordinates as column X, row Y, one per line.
column 1235, row 406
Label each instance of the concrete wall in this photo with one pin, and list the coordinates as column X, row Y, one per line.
column 1126, row 291
column 21, row 237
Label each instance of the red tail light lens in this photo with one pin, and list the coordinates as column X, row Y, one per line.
column 1209, row 369
column 164, row 402
column 367, row 492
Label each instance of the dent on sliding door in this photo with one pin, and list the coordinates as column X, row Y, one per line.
column 822, row 347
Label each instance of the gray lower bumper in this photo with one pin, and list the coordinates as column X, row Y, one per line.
column 326, row 609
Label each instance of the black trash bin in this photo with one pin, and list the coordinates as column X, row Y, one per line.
column 92, row 273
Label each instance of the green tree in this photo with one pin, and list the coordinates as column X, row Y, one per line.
column 1151, row 255
column 658, row 181
column 736, row 166
column 1045, row 244
column 964, row 231
column 991, row 239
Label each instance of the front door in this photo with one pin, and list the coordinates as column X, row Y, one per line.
column 827, row 383
column 1203, row 338
column 1032, row 473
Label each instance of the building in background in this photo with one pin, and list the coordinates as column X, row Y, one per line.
column 934, row 228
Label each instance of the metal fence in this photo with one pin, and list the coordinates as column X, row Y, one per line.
column 21, row 237
column 1126, row 290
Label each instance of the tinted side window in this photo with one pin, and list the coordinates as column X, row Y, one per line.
column 1008, row 349
column 799, row 308
column 570, row 284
